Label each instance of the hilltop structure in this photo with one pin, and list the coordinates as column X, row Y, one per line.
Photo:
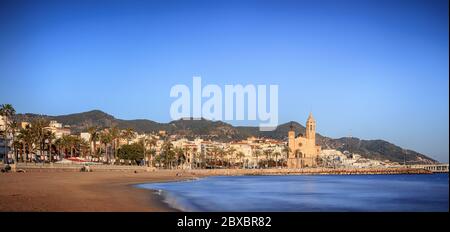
column 303, row 149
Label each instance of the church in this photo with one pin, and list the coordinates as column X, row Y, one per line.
column 303, row 149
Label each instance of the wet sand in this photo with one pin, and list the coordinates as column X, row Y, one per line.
column 58, row 191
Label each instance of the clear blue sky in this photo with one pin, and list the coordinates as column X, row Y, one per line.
column 372, row 69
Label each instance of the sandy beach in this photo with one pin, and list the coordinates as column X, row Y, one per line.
column 68, row 190
column 80, row 191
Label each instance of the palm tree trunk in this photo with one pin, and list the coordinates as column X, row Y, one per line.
column 115, row 152
column 95, row 149
column 5, row 154
column 50, row 150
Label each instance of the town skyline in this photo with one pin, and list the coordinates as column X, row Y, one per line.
column 113, row 124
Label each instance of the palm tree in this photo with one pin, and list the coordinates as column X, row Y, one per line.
column 7, row 111
column 84, row 146
column 167, row 153
column 115, row 135
column 209, row 157
column 38, row 127
column 257, row 153
column 18, row 149
column 70, row 143
column 94, row 136
column 26, row 136
column 105, row 139
column 13, row 127
column 196, row 158
column 59, row 146
column 217, row 153
column 49, row 136
column 241, row 155
column 76, row 144
column 129, row 135
column 268, row 154
column 298, row 155
column 151, row 142
column 230, row 152
column 276, row 158
column 286, row 150
column 65, row 144
column 180, row 156
column 151, row 153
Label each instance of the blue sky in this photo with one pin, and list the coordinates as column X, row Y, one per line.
column 372, row 69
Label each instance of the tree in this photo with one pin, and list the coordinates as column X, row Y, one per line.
column 298, row 155
column 71, row 143
column 65, row 144
column 267, row 153
column 26, row 136
column 13, row 127
column 84, row 147
column 180, row 156
column 151, row 153
column 115, row 135
column 49, row 136
column 241, row 155
column 151, row 142
column 167, row 154
column 277, row 154
column 128, row 134
column 38, row 127
column 18, row 148
column 230, row 153
column 257, row 153
column 59, row 146
column 287, row 150
column 196, row 158
column 222, row 153
column 94, row 136
column 131, row 152
column 209, row 157
column 7, row 111
column 105, row 139
column 76, row 144
column 217, row 153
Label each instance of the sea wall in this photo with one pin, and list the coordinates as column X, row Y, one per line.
column 30, row 167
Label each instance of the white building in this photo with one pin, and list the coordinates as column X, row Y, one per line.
column 85, row 136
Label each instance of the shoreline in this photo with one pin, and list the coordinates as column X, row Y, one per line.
column 57, row 190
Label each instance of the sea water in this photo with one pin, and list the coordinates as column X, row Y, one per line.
column 327, row 193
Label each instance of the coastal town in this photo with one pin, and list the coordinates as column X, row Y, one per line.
column 42, row 142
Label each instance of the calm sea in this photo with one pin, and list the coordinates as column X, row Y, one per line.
column 369, row 193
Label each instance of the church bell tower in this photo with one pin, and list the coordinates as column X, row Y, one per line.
column 311, row 128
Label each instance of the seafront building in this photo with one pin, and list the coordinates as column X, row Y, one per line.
column 303, row 149
column 2, row 123
column 2, row 139
column 58, row 129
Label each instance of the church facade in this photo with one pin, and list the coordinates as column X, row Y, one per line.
column 303, row 149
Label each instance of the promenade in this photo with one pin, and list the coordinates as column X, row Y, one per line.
column 39, row 167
